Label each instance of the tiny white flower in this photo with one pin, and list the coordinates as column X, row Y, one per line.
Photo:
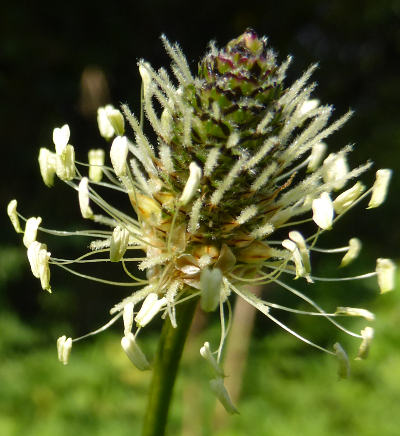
column 116, row 120
column 38, row 257
column 83, row 194
column 353, row 251
column 65, row 163
column 343, row 360
column 192, row 184
column 64, row 347
column 385, row 270
column 118, row 155
column 292, row 247
column 355, row 311
column 379, row 190
column 367, row 336
column 128, row 318
column 133, row 351
column 12, row 213
column 346, row 199
column 210, row 287
column 61, row 137
column 48, row 166
column 110, row 121
column 335, row 170
column 317, row 153
column 119, row 243
column 150, row 307
column 323, row 211
column 96, row 161
column 31, row 228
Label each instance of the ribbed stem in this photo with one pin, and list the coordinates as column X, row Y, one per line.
column 165, row 369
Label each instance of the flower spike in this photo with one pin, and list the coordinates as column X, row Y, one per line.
column 234, row 161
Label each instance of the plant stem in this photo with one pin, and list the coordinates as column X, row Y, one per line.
column 165, row 368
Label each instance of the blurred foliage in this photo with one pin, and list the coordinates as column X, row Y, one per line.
column 44, row 50
column 287, row 388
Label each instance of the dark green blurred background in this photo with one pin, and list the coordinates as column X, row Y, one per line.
column 50, row 53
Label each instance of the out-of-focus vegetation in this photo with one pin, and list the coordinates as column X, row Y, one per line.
column 286, row 389
column 45, row 50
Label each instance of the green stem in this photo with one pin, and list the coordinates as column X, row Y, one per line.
column 165, row 368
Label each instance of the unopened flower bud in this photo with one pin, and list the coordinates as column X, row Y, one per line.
column 150, row 307
column 367, row 336
column 192, row 184
column 385, row 270
column 323, row 211
column 145, row 75
column 61, row 137
column 133, row 351
column 118, row 155
column 65, row 163
column 379, row 190
column 83, row 194
column 308, row 106
column 317, row 153
column 353, row 251
column 96, row 162
column 12, row 213
column 210, row 287
column 64, row 347
column 31, row 228
column 119, row 243
column 345, row 200
column 343, row 360
column 166, row 124
column 218, row 387
column 48, row 166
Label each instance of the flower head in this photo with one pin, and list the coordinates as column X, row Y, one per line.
column 220, row 198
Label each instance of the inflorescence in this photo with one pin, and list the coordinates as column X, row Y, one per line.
column 219, row 199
